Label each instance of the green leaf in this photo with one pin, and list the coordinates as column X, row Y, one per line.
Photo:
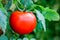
column 19, row 6
column 3, row 17
column 3, row 21
column 39, row 7
column 41, row 19
column 8, row 4
column 3, row 9
column 50, row 14
column 27, row 3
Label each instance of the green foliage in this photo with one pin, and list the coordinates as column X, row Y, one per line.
column 8, row 4
column 41, row 19
column 3, row 23
column 3, row 18
column 48, row 23
column 50, row 14
column 27, row 3
column 3, row 9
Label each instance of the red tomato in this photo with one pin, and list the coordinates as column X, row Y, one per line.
column 22, row 22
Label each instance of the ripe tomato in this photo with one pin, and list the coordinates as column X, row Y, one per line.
column 22, row 22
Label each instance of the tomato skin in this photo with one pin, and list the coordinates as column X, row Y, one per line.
column 22, row 22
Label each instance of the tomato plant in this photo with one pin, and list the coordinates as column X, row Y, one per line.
column 29, row 20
